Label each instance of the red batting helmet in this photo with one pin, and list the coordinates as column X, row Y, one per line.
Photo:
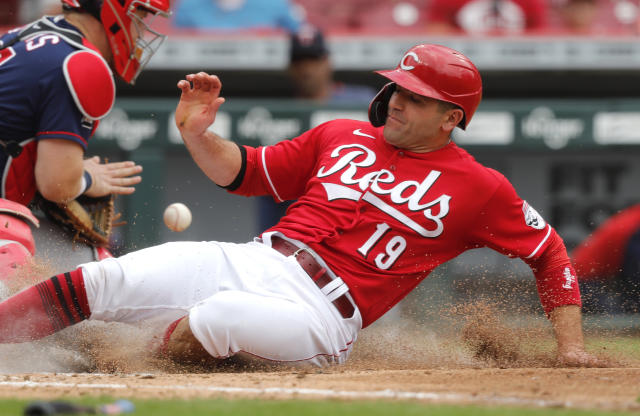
column 432, row 71
column 131, row 38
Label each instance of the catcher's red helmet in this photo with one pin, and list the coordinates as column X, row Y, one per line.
column 432, row 71
column 131, row 38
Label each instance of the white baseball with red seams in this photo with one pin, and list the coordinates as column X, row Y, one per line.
column 177, row 217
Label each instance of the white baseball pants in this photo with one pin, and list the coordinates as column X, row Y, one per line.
column 239, row 298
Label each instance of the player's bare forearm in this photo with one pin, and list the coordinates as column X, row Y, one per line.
column 567, row 326
column 58, row 169
column 218, row 158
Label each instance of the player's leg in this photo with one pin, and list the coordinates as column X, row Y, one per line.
column 17, row 245
column 163, row 282
column 279, row 315
column 273, row 329
column 44, row 309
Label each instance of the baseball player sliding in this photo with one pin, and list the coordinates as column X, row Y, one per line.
column 379, row 206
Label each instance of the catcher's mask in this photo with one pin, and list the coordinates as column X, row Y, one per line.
column 433, row 71
column 128, row 25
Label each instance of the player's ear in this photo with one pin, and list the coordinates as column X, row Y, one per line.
column 452, row 118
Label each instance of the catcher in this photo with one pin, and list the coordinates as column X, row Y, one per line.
column 56, row 83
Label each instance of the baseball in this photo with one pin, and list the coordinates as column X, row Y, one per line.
column 177, row 217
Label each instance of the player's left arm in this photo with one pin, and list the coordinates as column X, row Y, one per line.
column 560, row 297
column 512, row 227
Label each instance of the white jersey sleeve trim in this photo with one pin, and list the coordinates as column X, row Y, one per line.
column 266, row 172
column 541, row 243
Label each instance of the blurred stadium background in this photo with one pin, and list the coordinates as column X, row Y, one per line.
column 560, row 116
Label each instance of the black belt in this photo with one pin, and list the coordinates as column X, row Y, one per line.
column 317, row 273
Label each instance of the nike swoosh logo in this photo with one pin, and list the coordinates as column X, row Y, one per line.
column 357, row 132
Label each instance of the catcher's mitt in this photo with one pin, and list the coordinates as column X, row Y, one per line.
column 89, row 219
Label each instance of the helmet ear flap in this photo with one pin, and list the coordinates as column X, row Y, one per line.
column 380, row 104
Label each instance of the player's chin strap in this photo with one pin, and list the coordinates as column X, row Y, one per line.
column 39, row 27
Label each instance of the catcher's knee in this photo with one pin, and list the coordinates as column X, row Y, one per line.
column 17, row 245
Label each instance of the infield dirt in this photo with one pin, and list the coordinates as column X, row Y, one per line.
column 483, row 362
column 472, row 354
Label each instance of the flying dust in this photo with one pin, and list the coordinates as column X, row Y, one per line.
column 468, row 335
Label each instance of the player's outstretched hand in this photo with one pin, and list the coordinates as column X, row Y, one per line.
column 581, row 358
column 199, row 103
column 112, row 178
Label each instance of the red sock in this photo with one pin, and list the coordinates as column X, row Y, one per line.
column 163, row 350
column 44, row 309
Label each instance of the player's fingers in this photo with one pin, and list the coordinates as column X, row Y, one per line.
column 131, row 180
column 122, row 190
column 197, row 81
column 603, row 363
column 216, row 104
column 126, row 173
column 125, row 170
column 128, row 181
column 582, row 359
column 123, row 180
column 125, row 163
column 184, row 85
column 215, row 82
column 124, row 167
column 203, row 77
column 205, row 81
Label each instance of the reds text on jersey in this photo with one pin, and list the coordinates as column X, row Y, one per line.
column 383, row 218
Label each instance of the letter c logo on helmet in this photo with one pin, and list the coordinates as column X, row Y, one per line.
column 433, row 71
column 403, row 62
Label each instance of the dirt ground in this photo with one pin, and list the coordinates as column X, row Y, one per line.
column 610, row 389
column 485, row 364
column 469, row 354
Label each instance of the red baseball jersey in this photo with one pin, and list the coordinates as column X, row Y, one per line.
column 383, row 218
